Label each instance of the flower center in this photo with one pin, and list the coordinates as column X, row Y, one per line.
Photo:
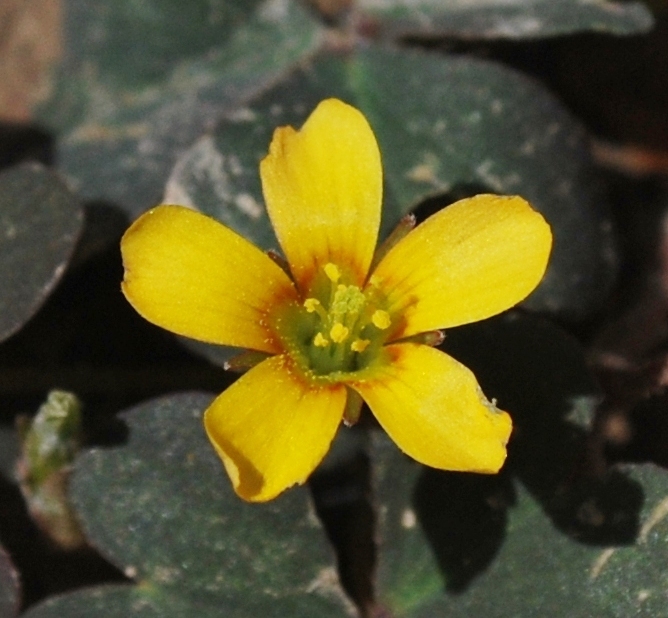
column 343, row 328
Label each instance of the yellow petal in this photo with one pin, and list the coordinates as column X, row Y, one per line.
column 433, row 408
column 193, row 276
column 271, row 428
column 323, row 189
column 469, row 261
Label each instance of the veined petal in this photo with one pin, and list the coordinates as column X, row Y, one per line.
column 193, row 276
column 271, row 428
column 470, row 261
column 323, row 189
column 433, row 408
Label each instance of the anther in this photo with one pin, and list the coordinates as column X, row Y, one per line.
column 314, row 305
column 320, row 341
column 332, row 272
column 359, row 345
column 339, row 333
column 381, row 319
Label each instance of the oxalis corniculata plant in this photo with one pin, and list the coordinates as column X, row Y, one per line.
column 399, row 345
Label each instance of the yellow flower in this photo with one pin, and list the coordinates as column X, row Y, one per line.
column 336, row 326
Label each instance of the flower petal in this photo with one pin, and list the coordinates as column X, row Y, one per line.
column 470, row 261
column 433, row 408
column 193, row 276
column 271, row 428
column 323, row 189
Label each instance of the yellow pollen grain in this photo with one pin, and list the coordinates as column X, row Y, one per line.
column 339, row 333
column 320, row 341
column 332, row 272
column 311, row 304
column 359, row 345
column 381, row 319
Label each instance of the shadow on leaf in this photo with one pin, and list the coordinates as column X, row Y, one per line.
column 342, row 499
column 538, row 373
column 464, row 518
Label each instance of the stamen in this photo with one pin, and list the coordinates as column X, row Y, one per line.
column 320, row 341
column 359, row 345
column 314, row 305
column 381, row 319
column 332, row 272
column 339, row 333
column 346, row 327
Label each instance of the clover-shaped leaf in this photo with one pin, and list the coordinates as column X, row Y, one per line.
column 505, row 19
column 36, row 211
column 9, row 586
column 438, row 526
column 140, row 81
column 160, row 508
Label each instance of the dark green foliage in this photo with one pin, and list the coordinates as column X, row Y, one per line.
column 40, row 223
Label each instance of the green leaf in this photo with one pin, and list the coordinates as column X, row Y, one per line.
column 10, row 592
column 120, row 601
column 505, row 19
column 432, row 521
column 40, row 223
column 142, row 80
column 161, row 508
column 137, row 43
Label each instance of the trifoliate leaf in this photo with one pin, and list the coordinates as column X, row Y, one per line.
column 142, row 80
column 460, row 545
column 161, row 508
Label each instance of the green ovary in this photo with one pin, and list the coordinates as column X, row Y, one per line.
column 342, row 330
